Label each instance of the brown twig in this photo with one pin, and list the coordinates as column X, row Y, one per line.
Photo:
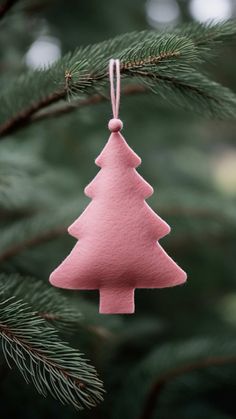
column 152, row 59
column 16, row 213
column 67, row 108
column 179, row 242
column 23, row 117
column 5, row 7
column 41, row 238
column 57, row 232
column 161, row 382
column 32, row 114
column 93, row 100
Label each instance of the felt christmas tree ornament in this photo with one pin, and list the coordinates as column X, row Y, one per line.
column 118, row 232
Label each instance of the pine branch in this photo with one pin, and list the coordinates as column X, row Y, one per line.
column 168, row 59
column 164, row 365
column 6, row 6
column 48, row 225
column 38, row 237
column 86, row 72
column 193, row 91
column 162, row 381
column 46, row 301
column 43, row 359
column 63, row 312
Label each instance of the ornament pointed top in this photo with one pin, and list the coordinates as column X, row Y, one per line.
column 116, row 152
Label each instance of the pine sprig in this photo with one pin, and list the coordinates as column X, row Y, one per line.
column 43, row 359
column 208, row 37
column 46, row 301
column 193, row 91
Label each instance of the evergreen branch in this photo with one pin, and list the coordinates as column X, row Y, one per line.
column 205, row 36
column 46, row 301
column 42, row 358
column 208, row 36
column 63, row 312
column 165, row 364
column 6, row 6
column 166, row 57
column 181, row 242
column 193, row 91
column 169, row 52
column 43, row 227
column 159, row 385
column 85, row 73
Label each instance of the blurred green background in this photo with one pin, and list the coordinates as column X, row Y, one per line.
column 190, row 162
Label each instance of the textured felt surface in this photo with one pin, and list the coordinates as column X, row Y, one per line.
column 117, row 249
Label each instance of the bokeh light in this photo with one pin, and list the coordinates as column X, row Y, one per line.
column 43, row 52
column 162, row 12
column 203, row 10
column 225, row 172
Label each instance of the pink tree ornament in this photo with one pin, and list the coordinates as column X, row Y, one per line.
column 118, row 232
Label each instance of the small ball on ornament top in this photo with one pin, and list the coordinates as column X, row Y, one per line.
column 115, row 125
